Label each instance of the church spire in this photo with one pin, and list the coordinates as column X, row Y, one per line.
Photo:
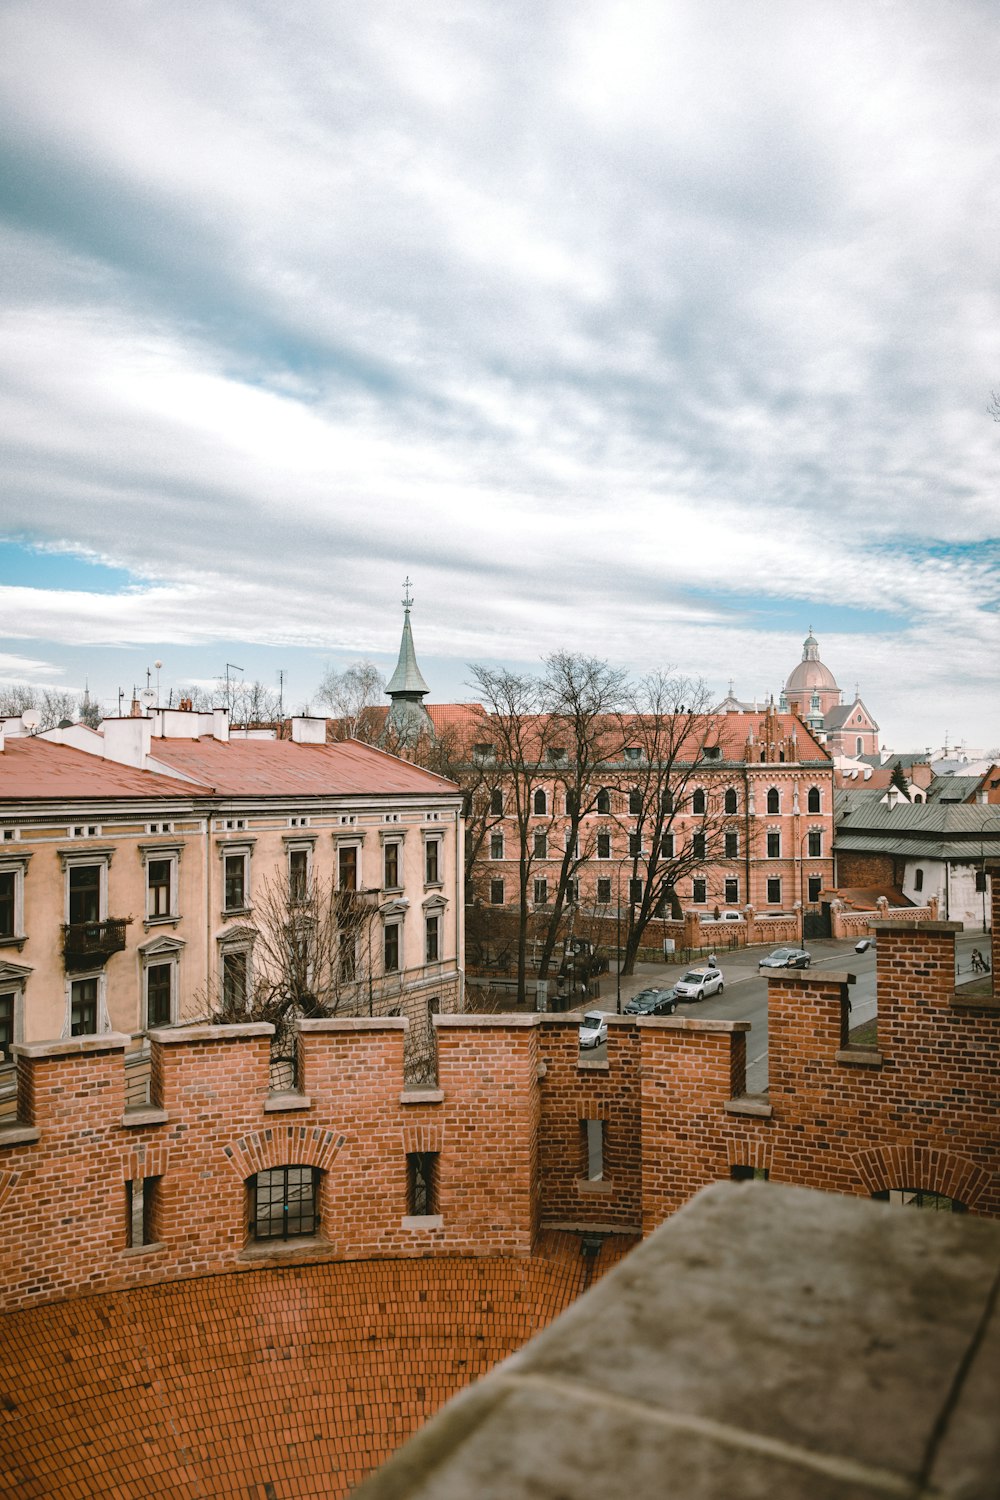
column 408, row 718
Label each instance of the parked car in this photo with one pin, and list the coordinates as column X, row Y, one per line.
column 593, row 1029
column 652, row 1002
column 786, row 958
column 864, row 945
column 697, row 983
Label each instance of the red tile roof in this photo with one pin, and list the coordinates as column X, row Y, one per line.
column 282, row 768
column 34, row 769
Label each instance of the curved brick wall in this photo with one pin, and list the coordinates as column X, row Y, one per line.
column 263, row 1384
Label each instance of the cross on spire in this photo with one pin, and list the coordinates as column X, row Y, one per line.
column 407, row 596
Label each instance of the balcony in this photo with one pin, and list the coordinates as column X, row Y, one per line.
column 352, row 907
column 87, row 945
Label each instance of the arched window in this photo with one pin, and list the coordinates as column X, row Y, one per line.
column 918, row 880
column 284, row 1203
column 812, row 800
column 496, row 802
column 540, row 802
column 604, row 800
column 698, row 800
column 773, row 800
column 731, row 803
column 635, row 802
column 860, row 744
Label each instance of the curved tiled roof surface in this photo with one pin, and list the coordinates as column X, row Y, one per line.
column 276, row 1383
column 275, row 768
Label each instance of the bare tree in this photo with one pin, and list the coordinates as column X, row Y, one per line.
column 582, row 697
column 56, row 708
column 355, row 698
column 16, row 698
column 676, row 826
column 516, row 745
column 252, row 703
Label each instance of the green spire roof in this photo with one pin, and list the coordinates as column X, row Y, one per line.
column 407, row 680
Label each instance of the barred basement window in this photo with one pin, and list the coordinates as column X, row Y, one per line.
column 283, row 1203
column 140, row 1203
column 421, row 1183
column 748, row 1174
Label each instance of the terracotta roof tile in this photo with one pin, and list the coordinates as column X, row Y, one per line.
column 35, row 769
column 276, row 768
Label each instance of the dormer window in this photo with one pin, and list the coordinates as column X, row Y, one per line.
column 484, row 753
column 713, row 752
column 633, row 752
column 557, row 753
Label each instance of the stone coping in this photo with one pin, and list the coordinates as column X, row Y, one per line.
column 682, row 1023
column 750, row 1104
column 14, row 1133
column 422, row 1096
column 859, row 1057
column 354, row 1023
column 804, row 980
column 500, row 1020
column 144, row 1114
column 176, row 1036
column 892, row 924
column 74, row 1046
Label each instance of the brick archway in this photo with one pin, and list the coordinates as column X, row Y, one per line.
column 750, row 1153
column 924, row 1168
column 283, row 1146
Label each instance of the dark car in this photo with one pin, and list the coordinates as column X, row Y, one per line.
column 652, row 1002
column 786, row 958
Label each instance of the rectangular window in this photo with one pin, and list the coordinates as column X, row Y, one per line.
column 667, row 846
column 592, row 1135
column 573, row 892
column 732, row 891
column 635, row 891
column 8, row 903
column 235, row 979
column 572, row 844
column 635, row 843
column 604, row 846
column 421, row 1183
column 347, row 957
column 283, row 1203
column 235, row 873
column 347, row 867
column 159, row 994
column 390, row 949
column 84, row 893
column 541, row 892
column 541, row 846
column 8, row 1000
column 774, row 846
column 496, row 846
column 604, row 892
column 140, row 1206
column 496, row 893
column 432, row 943
column 298, row 874
column 699, row 892
column 698, row 846
column 748, row 1174
column 774, row 892
column 980, row 882
column 390, row 867
column 432, row 862
column 815, row 886
column 158, row 883
column 815, row 843
column 732, row 844
column 83, row 1007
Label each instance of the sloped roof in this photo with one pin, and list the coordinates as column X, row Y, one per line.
column 283, row 768
column 953, row 788
column 838, row 716
column 407, row 677
column 935, row 830
column 35, row 769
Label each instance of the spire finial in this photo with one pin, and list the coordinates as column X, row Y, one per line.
column 407, row 596
column 732, row 685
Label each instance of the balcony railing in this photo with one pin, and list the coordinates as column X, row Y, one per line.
column 88, row 944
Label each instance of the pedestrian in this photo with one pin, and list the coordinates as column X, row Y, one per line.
column 711, row 961
column 978, row 966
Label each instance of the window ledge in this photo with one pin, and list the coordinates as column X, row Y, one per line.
column 422, row 1221
column 277, row 1103
column 265, row 1249
column 859, row 1057
column 985, row 1000
column 422, row 1096
column 148, row 922
column 594, row 1185
column 749, row 1104
column 144, row 1114
column 237, row 911
column 15, row 1134
column 433, row 885
column 12, row 940
column 593, row 1065
column 144, row 1249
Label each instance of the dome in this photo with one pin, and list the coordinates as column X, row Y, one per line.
column 811, row 676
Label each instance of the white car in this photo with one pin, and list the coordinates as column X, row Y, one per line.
column 593, row 1029
column 697, row 983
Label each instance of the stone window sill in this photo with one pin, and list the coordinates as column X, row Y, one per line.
column 749, row 1104
column 594, row 1186
column 170, row 921
column 422, row 1096
column 422, row 1221
column 859, row 1057
column 144, row 1249
column 279, row 1103
column 15, row 1134
column 264, row 1249
column 144, row 1114
column 12, row 940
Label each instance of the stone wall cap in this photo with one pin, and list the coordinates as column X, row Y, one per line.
column 686, row 1023
column 175, row 1036
column 74, row 1046
column 802, row 978
column 14, row 1133
column 354, row 1023
column 501, row 1020
column 422, row 1096
column 901, row 925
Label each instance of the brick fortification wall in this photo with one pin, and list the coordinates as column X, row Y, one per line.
column 507, row 1121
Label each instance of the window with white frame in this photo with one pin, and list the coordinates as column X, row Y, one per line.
column 391, row 948
column 698, row 800
column 813, row 800
column 572, row 844
column 299, row 854
column 540, row 844
column 161, row 864
column 604, row 846
column 604, row 801
column 235, row 877
column 573, row 892
column 774, row 844
column 496, row 802
column 635, row 890
column 496, row 846
column 12, row 871
column 432, row 937
column 432, row 862
column 730, row 803
column 698, row 845
column 667, row 846
column 773, row 800
column 348, row 866
column 732, row 843
column 540, row 803
column 159, row 979
column 12, row 981
column 496, row 893
column 541, row 891
column 815, row 843
column 774, row 891
column 86, row 892
column 699, row 891
column 604, row 891
column 86, row 996
column 236, row 977
column 732, row 890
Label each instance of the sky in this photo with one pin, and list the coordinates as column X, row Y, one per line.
column 659, row 332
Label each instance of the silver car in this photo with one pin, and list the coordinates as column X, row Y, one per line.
column 593, row 1029
column 697, row 983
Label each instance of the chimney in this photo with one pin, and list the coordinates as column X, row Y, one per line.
column 308, row 731
column 220, row 724
column 127, row 741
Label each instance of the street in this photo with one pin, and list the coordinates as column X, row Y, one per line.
column 745, row 996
